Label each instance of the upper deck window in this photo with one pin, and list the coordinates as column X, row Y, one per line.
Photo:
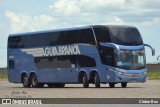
column 126, row 36
column 52, row 38
column 19, row 42
column 102, row 34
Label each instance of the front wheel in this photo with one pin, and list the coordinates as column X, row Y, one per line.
column 85, row 81
column 26, row 81
column 124, row 85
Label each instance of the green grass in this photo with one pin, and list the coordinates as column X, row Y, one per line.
column 3, row 76
column 153, row 75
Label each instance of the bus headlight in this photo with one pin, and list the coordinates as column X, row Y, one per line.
column 144, row 73
column 118, row 72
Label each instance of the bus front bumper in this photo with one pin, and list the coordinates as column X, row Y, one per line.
column 130, row 78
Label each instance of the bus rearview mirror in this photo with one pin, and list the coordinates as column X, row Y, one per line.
column 153, row 50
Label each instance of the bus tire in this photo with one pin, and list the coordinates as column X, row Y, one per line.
column 85, row 81
column 97, row 80
column 34, row 81
column 26, row 81
column 111, row 85
column 124, row 85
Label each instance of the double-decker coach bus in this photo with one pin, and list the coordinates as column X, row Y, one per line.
column 92, row 54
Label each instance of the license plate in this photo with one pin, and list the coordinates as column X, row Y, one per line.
column 133, row 81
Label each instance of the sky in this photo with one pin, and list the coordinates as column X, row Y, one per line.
column 18, row 16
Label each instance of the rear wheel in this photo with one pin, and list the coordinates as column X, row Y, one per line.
column 96, row 80
column 111, row 85
column 85, row 81
column 34, row 82
column 26, row 81
column 124, row 85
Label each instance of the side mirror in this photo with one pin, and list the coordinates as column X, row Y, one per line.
column 153, row 50
column 158, row 57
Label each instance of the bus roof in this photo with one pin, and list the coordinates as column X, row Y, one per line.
column 55, row 30
column 73, row 28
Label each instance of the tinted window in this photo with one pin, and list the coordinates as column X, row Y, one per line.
column 102, row 34
column 19, row 42
column 52, row 38
column 51, row 62
column 107, row 56
column 48, row 62
column 85, row 36
column 64, row 61
column 69, row 37
column 14, row 41
column 72, row 59
column 45, row 39
column 85, row 61
column 11, row 64
column 25, row 43
column 126, row 36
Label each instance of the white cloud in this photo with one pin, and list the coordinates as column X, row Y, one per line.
column 104, row 11
column 65, row 8
column 64, row 13
column 68, row 13
column 17, row 24
column 20, row 22
column 69, row 8
column 152, row 22
column 101, row 4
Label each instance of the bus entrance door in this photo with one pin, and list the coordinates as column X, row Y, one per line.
column 72, row 77
column 14, row 74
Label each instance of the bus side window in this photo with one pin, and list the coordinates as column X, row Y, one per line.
column 11, row 64
column 102, row 34
column 47, row 62
column 62, row 62
column 109, row 60
column 36, row 60
column 71, row 61
column 85, row 36
column 69, row 37
column 85, row 61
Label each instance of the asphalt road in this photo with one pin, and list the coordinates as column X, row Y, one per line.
column 150, row 89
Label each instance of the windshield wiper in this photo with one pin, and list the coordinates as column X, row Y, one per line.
column 126, row 67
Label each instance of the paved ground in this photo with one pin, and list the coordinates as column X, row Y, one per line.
column 150, row 89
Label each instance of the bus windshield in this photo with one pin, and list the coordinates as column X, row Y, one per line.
column 131, row 60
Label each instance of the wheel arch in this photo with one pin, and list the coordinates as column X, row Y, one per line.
column 31, row 73
column 22, row 74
